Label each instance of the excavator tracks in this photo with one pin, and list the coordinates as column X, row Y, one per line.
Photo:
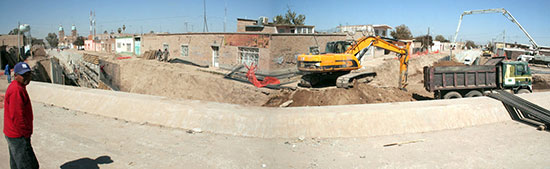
column 346, row 81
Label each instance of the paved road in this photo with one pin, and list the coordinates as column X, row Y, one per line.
column 69, row 137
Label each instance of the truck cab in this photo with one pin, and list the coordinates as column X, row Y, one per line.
column 516, row 75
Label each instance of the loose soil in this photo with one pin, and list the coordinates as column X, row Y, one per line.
column 183, row 81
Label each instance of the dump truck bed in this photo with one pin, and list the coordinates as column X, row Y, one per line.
column 460, row 77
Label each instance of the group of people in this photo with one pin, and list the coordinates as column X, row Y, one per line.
column 162, row 56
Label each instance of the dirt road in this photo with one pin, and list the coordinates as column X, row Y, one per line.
column 75, row 138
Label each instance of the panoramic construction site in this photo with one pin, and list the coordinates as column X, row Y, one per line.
column 284, row 95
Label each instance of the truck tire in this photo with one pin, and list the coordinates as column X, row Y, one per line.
column 522, row 91
column 473, row 93
column 452, row 95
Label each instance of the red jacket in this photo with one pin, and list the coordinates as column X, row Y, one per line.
column 17, row 111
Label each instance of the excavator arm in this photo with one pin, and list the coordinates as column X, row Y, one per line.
column 362, row 45
column 342, row 63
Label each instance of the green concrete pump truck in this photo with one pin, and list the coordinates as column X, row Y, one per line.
column 449, row 82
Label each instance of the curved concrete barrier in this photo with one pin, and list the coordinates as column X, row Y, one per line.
column 265, row 122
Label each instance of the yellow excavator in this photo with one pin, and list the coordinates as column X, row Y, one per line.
column 339, row 66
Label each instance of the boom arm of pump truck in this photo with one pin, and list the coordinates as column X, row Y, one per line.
column 362, row 45
column 497, row 10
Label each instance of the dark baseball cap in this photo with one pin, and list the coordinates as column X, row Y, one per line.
column 21, row 68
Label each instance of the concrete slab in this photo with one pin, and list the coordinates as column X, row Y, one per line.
column 265, row 122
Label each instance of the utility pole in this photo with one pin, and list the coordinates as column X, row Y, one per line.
column 427, row 39
column 205, row 27
column 18, row 42
column 225, row 16
column 186, row 30
column 504, row 41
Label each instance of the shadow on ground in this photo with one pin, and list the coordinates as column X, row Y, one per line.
column 87, row 163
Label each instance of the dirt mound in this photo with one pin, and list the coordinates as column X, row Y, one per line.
column 360, row 94
column 39, row 51
column 541, row 82
column 381, row 90
column 184, row 81
column 448, row 63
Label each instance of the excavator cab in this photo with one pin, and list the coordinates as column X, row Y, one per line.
column 337, row 46
column 338, row 65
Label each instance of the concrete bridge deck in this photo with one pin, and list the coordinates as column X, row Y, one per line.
column 265, row 122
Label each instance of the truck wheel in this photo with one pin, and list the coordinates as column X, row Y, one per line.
column 548, row 64
column 521, row 91
column 452, row 95
column 473, row 93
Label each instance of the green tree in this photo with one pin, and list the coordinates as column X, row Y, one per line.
column 441, row 38
column 79, row 41
column 14, row 31
column 52, row 39
column 425, row 40
column 401, row 32
column 470, row 44
column 290, row 18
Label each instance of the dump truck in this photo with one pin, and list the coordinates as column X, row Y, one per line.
column 450, row 82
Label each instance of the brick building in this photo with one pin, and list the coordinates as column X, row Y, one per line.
column 67, row 41
column 272, row 52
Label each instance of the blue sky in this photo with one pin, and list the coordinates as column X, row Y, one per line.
column 441, row 16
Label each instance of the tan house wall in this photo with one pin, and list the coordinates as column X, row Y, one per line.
column 289, row 46
column 10, row 40
column 241, row 24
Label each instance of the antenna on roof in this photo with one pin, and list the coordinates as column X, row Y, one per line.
column 205, row 23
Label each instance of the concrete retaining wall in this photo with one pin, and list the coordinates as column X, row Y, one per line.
column 324, row 122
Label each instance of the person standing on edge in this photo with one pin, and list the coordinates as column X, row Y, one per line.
column 166, row 54
column 159, row 55
column 18, row 119
column 7, row 72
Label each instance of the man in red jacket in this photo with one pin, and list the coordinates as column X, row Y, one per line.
column 18, row 119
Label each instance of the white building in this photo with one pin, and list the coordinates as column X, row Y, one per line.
column 124, row 45
column 381, row 30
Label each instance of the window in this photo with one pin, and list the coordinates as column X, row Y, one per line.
column 128, row 47
column 118, row 45
column 184, row 50
column 314, row 50
column 248, row 56
column 520, row 70
column 384, row 33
